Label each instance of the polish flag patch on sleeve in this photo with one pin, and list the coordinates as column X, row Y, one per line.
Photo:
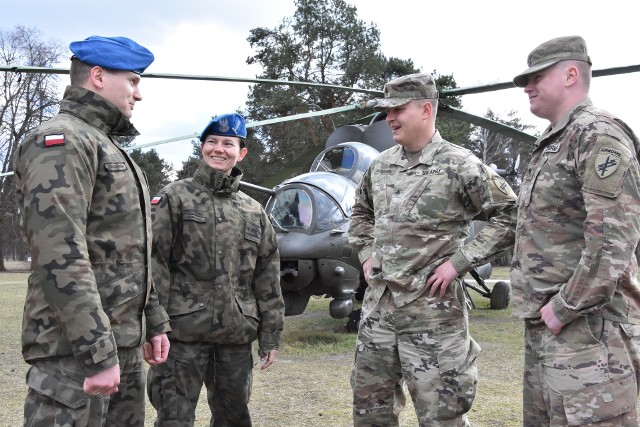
column 53, row 140
column 156, row 200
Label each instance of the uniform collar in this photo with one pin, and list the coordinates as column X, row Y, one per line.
column 425, row 157
column 564, row 121
column 97, row 111
column 217, row 181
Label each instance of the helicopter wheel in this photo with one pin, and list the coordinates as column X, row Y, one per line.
column 354, row 320
column 500, row 295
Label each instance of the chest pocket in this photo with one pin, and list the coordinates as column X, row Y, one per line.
column 547, row 187
column 426, row 200
column 194, row 232
column 249, row 247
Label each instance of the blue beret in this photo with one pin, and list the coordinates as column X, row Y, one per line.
column 116, row 53
column 226, row 125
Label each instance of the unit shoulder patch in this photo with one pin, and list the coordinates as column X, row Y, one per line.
column 606, row 167
column 607, row 161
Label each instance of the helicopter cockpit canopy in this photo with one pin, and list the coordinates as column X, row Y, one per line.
column 349, row 159
column 314, row 202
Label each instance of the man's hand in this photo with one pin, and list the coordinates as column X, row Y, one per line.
column 366, row 268
column 550, row 318
column 156, row 350
column 441, row 277
column 104, row 382
column 270, row 358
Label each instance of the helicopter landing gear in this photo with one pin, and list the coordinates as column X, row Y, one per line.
column 500, row 295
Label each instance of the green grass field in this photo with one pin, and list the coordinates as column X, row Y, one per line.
column 309, row 384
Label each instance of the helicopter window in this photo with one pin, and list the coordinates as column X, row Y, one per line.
column 292, row 209
column 329, row 214
column 339, row 159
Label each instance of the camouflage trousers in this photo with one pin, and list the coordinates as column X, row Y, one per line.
column 585, row 375
column 425, row 344
column 225, row 370
column 55, row 396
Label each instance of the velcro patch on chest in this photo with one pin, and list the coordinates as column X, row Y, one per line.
column 53, row 140
column 428, row 172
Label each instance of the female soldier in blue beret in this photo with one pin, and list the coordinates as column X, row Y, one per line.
column 217, row 269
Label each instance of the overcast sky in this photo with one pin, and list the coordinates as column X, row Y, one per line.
column 478, row 42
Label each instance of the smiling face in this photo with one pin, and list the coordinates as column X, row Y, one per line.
column 546, row 92
column 121, row 88
column 409, row 124
column 222, row 152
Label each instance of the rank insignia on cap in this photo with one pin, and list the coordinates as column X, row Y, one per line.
column 53, row 140
column 156, row 200
column 607, row 161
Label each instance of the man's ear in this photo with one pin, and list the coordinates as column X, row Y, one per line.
column 427, row 109
column 571, row 75
column 96, row 77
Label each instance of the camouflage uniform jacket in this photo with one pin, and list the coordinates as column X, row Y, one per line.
column 85, row 213
column 579, row 221
column 216, row 262
column 412, row 215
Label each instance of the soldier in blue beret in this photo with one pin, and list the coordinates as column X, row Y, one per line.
column 217, row 270
column 86, row 214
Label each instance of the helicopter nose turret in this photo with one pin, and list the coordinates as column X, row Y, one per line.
column 341, row 308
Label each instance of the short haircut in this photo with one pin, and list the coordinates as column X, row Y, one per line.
column 584, row 68
column 79, row 72
column 433, row 102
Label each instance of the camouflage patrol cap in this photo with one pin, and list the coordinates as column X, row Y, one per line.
column 116, row 53
column 405, row 89
column 226, row 125
column 552, row 52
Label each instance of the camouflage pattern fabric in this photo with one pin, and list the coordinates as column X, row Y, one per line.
column 409, row 217
column 85, row 214
column 226, row 370
column 582, row 376
column 412, row 215
column 56, row 398
column 216, row 264
column 427, row 345
column 579, row 221
column 578, row 227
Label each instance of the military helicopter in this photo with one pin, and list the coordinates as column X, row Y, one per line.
column 310, row 212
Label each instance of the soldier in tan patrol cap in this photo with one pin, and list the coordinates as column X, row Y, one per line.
column 574, row 268
column 410, row 225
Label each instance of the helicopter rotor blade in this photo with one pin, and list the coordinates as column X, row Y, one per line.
column 486, row 123
column 43, row 70
column 492, row 87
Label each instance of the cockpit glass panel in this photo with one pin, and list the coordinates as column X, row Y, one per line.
column 339, row 159
column 329, row 214
column 292, row 208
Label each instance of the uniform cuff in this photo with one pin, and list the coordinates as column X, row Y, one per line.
column 460, row 263
column 563, row 313
column 365, row 254
column 100, row 356
column 157, row 321
column 268, row 341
